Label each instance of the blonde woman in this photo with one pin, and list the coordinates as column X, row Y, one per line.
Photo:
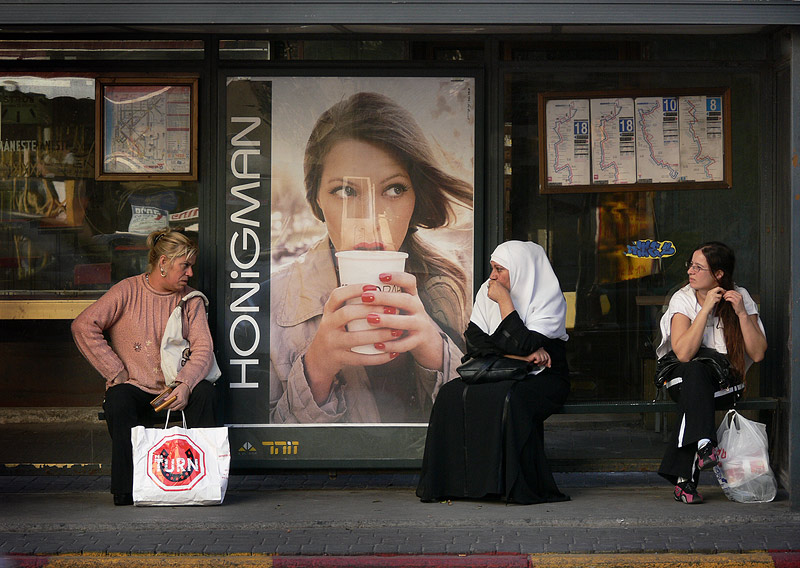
column 133, row 315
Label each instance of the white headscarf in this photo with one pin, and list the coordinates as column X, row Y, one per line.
column 535, row 292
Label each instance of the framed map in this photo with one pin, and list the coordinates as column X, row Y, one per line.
column 634, row 140
column 146, row 128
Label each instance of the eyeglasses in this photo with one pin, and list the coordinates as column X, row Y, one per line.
column 692, row 267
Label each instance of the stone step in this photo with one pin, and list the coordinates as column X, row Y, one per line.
column 48, row 414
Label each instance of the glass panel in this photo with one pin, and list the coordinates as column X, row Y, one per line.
column 617, row 299
column 82, row 50
column 63, row 234
column 327, row 50
column 447, row 51
column 249, row 49
column 354, row 50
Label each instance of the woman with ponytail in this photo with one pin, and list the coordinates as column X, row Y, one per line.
column 710, row 313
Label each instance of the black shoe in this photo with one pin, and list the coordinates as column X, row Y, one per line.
column 122, row 499
column 707, row 457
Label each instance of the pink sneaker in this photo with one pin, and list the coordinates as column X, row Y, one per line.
column 686, row 491
column 707, row 457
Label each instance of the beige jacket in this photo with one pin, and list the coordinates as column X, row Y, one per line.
column 298, row 294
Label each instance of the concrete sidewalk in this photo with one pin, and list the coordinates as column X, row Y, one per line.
column 369, row 517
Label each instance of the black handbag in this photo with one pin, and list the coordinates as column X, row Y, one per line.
column 492, row 369
column 726, row 375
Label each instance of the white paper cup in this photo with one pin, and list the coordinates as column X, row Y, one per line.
column 365, row 267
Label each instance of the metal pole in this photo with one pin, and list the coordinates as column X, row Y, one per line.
column 794, row 291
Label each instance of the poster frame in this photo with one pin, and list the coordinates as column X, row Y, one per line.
column 264, row 446
column 155, row 83
column 548, row 188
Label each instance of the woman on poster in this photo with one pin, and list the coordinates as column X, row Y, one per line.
column 371, row 178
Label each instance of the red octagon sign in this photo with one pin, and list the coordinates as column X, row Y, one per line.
column 176, row 463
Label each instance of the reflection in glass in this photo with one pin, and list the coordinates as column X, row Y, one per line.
column 63, row 234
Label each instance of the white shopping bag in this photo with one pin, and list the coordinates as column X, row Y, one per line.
column 175, row 348
column 743, row 471
column 180, row 466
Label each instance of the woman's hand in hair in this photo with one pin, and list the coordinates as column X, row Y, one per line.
column 713, row 297
column 403, row 313
column 735, row 299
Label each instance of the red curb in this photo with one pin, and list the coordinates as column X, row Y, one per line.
column 404, row 561
column 785, row 558
column 24, row 561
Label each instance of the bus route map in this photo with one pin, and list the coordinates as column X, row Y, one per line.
column 568, row 142
column 613, row 141
column 147, row 129
column 622, row 140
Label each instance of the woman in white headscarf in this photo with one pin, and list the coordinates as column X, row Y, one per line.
column 487, row 440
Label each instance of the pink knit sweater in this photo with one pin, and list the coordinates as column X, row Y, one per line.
column 133, row 316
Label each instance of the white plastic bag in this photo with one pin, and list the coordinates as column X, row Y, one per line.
column 743, row 471
column 180, row 466
column 175, row 348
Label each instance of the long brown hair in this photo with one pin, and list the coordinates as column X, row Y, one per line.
column 378, row 120
column 720, row 257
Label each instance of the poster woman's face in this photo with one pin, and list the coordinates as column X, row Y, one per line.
column 366, row 196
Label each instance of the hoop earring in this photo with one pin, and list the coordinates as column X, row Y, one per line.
column 163, row 272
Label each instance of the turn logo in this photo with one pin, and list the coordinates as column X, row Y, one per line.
column 176, row 463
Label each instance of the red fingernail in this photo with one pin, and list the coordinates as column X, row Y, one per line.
column 389, row 310
column 380, row 346
column 393, row 355
column 367, row 297
column 397, row 332
column 385, row 277
column 370, row 288
column 373, row 319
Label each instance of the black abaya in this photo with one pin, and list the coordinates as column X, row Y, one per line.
column 487, row 440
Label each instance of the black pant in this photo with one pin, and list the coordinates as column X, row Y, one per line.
column 127, row 406
column 696, row 406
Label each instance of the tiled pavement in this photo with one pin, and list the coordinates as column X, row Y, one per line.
column 378, row 514
column 373, row 515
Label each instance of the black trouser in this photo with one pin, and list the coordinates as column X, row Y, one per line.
column 696, row 406
column 127, row 406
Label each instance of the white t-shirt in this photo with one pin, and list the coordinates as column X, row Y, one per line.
column 684, row 301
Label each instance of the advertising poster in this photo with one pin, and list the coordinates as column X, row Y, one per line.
column 349, row 236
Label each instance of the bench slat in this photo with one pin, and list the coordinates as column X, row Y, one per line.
column 635, row 406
